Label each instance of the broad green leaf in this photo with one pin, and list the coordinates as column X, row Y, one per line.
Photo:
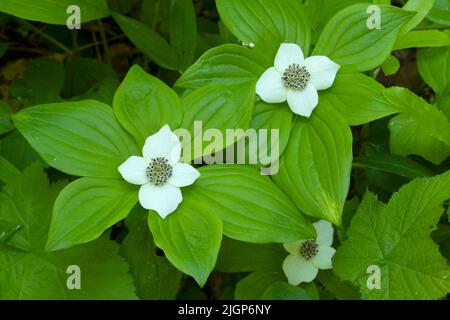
column 8, row 172
column 228, row 64
column 54, row 12
column 347, row 40
column 269, row 146
column 422, row 8
column 315, row 168
column 217, row 107
column 7, row 229
column 103, row 91
column 341, row 290
column 190, row 237
column 79, row 138
column 396, row 238
column 154, row 276
column 183, row 31
column 253, row 286
column 86, row 208
column 149, row 42
column 434, row 68
column 31, row 273
column 358, row 98
column 420, row 128
column 391, row 65
column 266, row 23
column 41, row 83
column 425, row 38
column 440, row 12
column 237, row 256
column 252, row 208
column 285, row 291
column 320, row 11
column 5, row 118
column 143, row 104
column 393, row 164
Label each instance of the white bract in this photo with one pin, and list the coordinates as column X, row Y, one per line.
column 308, row 256
column 159, row 172
column 296, row 79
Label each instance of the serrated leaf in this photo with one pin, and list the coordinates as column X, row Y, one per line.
column 31, row 273
column 315, row 168
column 347, row 40
column 396, row 237
column 266, row 23
column 420, row 128
column 251, row 206
column 79, row 138
column 143, row 104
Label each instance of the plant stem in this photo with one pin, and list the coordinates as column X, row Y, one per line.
column 104, row 41
column 46, row 36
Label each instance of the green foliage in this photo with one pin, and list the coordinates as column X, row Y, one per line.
column 29, row 200
column 396, row 238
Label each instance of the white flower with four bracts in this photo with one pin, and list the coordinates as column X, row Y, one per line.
column 296, row 80
column 159, row 172
column 308, row 256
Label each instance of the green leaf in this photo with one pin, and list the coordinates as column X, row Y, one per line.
column 285, row 291
column 391, row 65
column 252, row 208
column 218, row 107
column 348, row 41
column 266, row 23
column 358, row 98
column 253, row 286
column 425, row 38
column 143, row 104
column 31, row 273
column 7, row 229
column 79, row 138
column 149, row 42
column 315, row 168
column 183, row 31
column 394, row 164
column 86, row 208
column 5, row 118
column 154, row 276
column 190, row 237
column 42, row 82
column 320, row 11
column 237, row 256
column 227, row 64
column 420, row 129
column 8, row 172
column 422, row 8
column 440, row 12
column 54, row 12
column 341, row 290
column 434, row 68
column 396, row 237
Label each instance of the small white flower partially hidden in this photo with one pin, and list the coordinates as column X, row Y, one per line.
column 159, row 172
column 296, row 79
column 308, row 256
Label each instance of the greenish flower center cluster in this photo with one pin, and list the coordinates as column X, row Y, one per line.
column 309, row 249
column 159, row 171
column 296, row 77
